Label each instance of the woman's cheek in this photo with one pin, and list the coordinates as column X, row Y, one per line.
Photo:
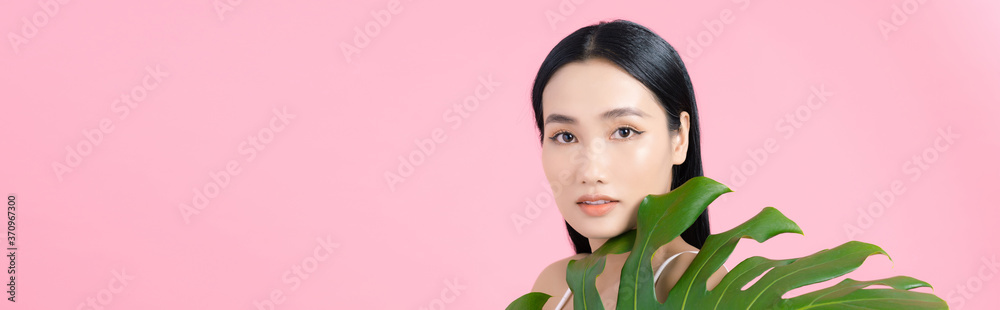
column 558, row 173
column 651, row 163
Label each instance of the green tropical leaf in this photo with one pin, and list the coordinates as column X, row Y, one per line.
column 661, row 219
column 692, row 286
column 743, row 273
column 821, row 266
column 849, row 294
column 782, row 276
column 529, row 301
column 581, row 276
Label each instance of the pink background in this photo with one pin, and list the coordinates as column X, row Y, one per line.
column 443, row 238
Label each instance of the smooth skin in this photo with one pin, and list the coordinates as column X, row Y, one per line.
column 605, row 133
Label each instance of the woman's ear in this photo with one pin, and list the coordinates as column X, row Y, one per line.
column 679, row 141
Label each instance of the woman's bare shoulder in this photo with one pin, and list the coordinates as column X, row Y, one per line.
column 552, row 279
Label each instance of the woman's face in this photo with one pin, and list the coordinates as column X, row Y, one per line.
column 605, row 146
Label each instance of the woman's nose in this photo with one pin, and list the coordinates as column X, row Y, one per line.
column 591, row 168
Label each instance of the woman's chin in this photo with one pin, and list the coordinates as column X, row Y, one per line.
column 605, row 230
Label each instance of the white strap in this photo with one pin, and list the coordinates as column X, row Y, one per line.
column 656, row 276
column 564, row 299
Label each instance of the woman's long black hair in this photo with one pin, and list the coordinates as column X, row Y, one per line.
column 654, row 63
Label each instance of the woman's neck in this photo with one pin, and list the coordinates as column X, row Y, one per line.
column 596, row 243
column 674, row 246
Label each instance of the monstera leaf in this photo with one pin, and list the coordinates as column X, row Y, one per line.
column 663, row 217
column 690, row 292
column 581, row 275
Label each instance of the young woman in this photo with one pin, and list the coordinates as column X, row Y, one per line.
column 617, row 120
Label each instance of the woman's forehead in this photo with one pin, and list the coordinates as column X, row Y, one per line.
column 590, row 88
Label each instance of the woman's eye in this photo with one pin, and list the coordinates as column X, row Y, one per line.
column 563, row 137
column 625, row 133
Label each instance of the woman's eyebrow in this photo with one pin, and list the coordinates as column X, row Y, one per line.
column 619, row 112
column 559, row 118
column 611, row 114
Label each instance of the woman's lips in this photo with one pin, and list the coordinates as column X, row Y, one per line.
column 596, row 205
column 598, row 210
